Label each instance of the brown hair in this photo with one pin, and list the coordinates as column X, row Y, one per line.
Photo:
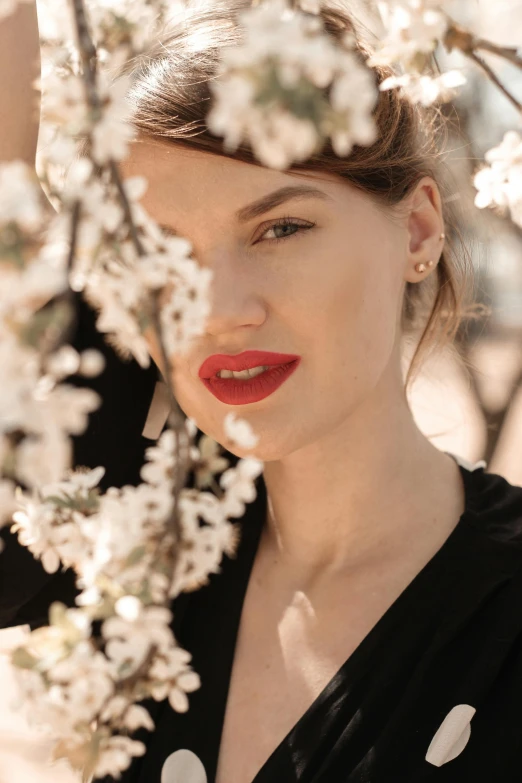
column 170, row 98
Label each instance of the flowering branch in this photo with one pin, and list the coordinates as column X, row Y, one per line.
column 457, row 37
column 86, row 689
column 464, row 40
column 136, row 548
column 89, row 59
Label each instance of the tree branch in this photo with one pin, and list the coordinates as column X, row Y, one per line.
column 458, row 37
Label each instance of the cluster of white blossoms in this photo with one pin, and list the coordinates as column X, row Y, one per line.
column 117, row 543
column 38, row 413
column 500, row 184
column 414, row 28
column 121, row 288
column 287, row 87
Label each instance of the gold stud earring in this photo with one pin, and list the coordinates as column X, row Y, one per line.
column 442, row 236
column 420, row 267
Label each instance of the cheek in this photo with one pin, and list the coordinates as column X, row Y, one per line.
column 353, row 318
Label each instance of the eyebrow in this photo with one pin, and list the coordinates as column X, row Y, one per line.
column 276, row 198
column 271, row 201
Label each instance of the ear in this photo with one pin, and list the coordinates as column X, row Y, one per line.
column 425, row 224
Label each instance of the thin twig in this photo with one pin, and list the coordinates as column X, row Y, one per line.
column 506, row 52
column 181, row 467
column 116, row 178
column 87, row 52
column 494, row 78
column 457, row 37
column 66, row 297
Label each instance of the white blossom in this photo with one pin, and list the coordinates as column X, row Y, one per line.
column 500, row 183
column 129, row 641
column 115, row 755
column 92, row 363
column 43, row 460
column 412, row 26
column 414, row 29
column 426, row 89
column 240, row 431
column 128, row 607
column 111, row 135
column 20, row 195
column 238, row 485
column 209, row 461
column 122, row 294
column 77, row 484
column 161, row 459
column 137, row 717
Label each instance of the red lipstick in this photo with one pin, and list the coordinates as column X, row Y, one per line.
column 239, row 391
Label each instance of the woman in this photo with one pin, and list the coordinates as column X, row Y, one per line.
column 369, row 627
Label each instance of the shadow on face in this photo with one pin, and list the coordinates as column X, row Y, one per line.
column 307, row 265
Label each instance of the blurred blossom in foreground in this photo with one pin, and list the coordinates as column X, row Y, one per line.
column 271, row 89
column 414, row 28
column 500, row 183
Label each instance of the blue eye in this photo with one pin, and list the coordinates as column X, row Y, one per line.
column 284, row 223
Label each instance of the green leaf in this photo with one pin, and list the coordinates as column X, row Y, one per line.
column 135, row 555
column 23, row 659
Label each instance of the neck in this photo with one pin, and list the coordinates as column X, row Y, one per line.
column 358, row 492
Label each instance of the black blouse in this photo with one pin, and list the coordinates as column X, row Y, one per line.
column 441, row 668
column 432, row 693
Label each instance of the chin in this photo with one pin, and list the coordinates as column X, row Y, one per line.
column 262, row 451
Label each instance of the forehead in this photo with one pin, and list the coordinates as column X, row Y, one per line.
column 186, row 180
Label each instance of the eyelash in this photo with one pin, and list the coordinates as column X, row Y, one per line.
column 283, row 222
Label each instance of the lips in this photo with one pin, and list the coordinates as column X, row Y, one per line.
column 243, row 361
column 239, row 391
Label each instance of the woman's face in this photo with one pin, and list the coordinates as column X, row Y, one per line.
column 325, row 284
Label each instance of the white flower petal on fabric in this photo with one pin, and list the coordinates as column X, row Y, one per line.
column 63, row 362
column 183, row 766
column 452, row 736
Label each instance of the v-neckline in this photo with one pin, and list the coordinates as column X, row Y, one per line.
column 252, row 526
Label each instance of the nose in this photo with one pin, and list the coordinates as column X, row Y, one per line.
column 235, row 300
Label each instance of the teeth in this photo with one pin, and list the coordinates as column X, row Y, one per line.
column 243, row 374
